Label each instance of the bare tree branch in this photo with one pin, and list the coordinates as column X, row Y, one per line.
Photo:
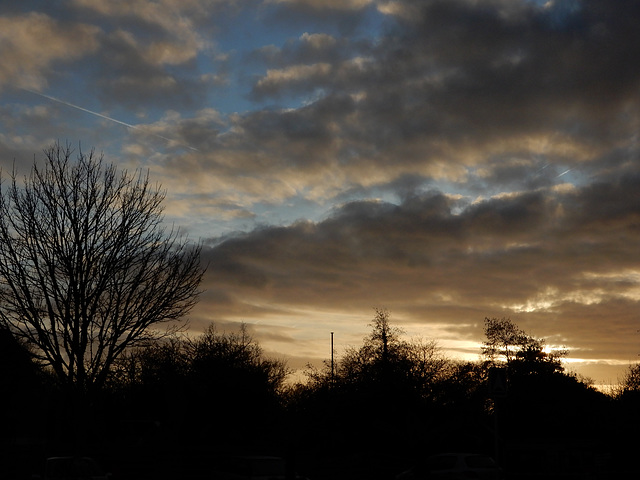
column 87, row 267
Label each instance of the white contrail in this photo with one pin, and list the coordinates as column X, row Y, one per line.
column 565, row 172
column 539, row 171
column 134, row 127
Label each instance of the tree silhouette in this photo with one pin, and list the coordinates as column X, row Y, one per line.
column 234, row 354
column 522, row 353
column 504, row 338
column 630, row 382
column 384, row 340
column 227, row 371
column 382, row 392
column 230, row 371
column 382, row 351
column 86, row 266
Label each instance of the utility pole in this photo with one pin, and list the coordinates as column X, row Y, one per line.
column 331, row 358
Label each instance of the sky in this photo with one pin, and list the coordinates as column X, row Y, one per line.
column 448, row 160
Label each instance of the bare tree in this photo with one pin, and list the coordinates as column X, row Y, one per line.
column 87, row 268
column 384, row 339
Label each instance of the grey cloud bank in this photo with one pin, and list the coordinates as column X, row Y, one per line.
column 555, row 260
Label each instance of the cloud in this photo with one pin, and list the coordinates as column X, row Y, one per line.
column 290, row 77
column 327, row 5
column 176, row 17
column 167, row 28
column 149, row 51
column 307, row 49
column 459, row 94
column 450, row 159
column 536, row 257
column 25, row 63
column 463, row 84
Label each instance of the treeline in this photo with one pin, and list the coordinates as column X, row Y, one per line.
column 394, row 400
column 183, row 401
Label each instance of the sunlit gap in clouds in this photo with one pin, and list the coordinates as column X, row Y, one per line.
column 542, row 301
column 624, row 284
column 453, row 340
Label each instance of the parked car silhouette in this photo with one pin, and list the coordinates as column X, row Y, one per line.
column 454, row 466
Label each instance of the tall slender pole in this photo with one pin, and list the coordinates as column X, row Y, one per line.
column 331, row 357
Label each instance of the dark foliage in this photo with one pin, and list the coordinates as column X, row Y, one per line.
column 223, row 380
column 390, row 397
column 24, row 386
